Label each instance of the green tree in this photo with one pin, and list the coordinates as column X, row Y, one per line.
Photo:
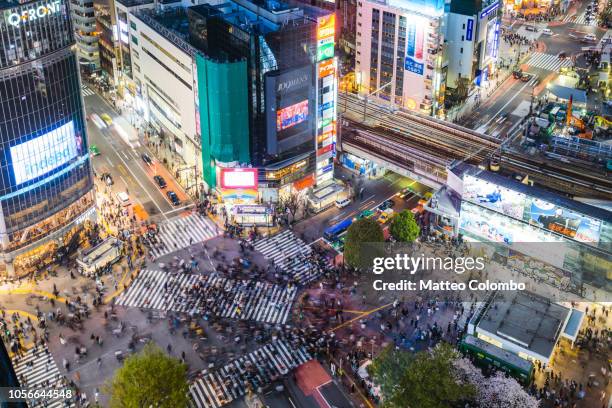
column 149, row 378
column 425, row 380
column 356, row 253
column 403, row 227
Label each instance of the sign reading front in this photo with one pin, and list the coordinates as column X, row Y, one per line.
column 34, row 13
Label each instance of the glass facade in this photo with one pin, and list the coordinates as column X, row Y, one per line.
column 45, row 176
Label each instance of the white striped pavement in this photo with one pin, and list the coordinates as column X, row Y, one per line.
column 236, row 299
column 36, row 369
column 581, row 19
column 86, row 91
column 182, row 232
column 548, row 62
column 290, row 253
column 229, row 383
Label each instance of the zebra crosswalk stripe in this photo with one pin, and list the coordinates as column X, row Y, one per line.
column 290, row 253
column 33, row 370
column 244, row 300
column 547, row 61
column 223, row 386
column 86, row 91
column 177, row 233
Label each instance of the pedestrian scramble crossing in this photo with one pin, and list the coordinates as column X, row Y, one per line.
column 290, row 253
column 548, row 62
column 252, row 371
column 235, row 299
column 87, row 91
column 181, row 232
column 36, row 369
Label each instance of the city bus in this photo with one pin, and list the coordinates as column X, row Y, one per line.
column 334, row 231
column 488, row 355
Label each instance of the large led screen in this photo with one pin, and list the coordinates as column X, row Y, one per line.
column 44, row 153
column 239, row 178
column 291, row 115
column 565, row 222
column 493, row 196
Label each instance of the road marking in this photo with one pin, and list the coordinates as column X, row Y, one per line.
column 121, row 168
column 179, row 209
column 506, row 104
column 109, row 161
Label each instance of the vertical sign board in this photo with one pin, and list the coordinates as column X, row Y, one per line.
column 469, row 31
column 325, row 140
column 414, row 50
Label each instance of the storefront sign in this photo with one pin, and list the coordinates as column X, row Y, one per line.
column 42, row 11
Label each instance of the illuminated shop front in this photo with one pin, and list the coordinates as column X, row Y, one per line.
column 361, row 166
column 45, row 174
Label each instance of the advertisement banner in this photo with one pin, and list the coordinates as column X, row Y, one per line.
column 469, row 31
column 291, row 115
column 414, row 49
column 239, row 179
column 325, row 51
column 326, row 68
column 493, row 196
column 44, row 153
column 565, row 222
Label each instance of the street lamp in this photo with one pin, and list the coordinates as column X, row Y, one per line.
column 365, row 101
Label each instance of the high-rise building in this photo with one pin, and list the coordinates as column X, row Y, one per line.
column 85, row 34
column 46, row 183
column 400, row 53
column 107, row 43
column 472, row 32
column 249, row 85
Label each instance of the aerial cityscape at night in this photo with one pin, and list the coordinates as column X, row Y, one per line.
column 306, row 203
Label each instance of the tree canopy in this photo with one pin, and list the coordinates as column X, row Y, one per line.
column 423, row 380
column 149, row 378
column 403, row 227
column 365, row 230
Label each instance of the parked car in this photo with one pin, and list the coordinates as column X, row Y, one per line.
column 159, row 180
column 385, row 216
column 146, row 159
column 343, row 202
column 386, row 205
column 173, row 197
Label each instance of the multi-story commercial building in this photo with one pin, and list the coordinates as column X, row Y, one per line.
column 472, row 33
column 107, row 43
column 245, row 87
column 400, row 53
column 46, row 183
column 85, row 34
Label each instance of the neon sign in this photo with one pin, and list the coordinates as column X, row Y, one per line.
column 15, row 19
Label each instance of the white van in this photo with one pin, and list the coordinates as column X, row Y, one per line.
column 342, row 202
column 547, row 31
column 123, row 198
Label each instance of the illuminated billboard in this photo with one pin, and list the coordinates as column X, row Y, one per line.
column 239, row 178
column 492, row 43
column 44, row 153
column 493, row 196
column 565, row 222
column 414, row 47
column 326, row 31
column 291, row 115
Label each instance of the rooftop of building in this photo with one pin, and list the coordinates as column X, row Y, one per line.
column 534, row 191
column 525, row 319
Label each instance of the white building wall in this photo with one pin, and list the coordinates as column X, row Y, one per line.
column 418, row 90
column 163, row 73
column 461, row 36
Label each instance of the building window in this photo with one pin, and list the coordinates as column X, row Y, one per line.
column 462, row 38
column 133, row 25
column 135, row 40
column 463, row 26
column 461, row 50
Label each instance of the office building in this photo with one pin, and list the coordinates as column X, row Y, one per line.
column 249, row 88
column 46, row 184
column 400, row 53
column 85, row 34
column 472, row 33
